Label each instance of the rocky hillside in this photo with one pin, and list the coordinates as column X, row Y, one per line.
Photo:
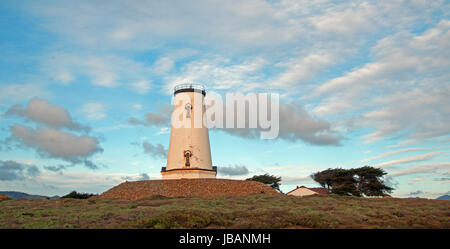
column 185, row 188
column 2, row 197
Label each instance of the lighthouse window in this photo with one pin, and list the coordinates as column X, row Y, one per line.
column 188, row 110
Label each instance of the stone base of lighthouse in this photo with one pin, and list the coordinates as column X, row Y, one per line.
column 188, row 173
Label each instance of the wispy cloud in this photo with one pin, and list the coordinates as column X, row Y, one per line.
column 18, row 92
column 423, row 168
column 390, row 153
column 415, row 158
column 141, row 87
column 94, row 110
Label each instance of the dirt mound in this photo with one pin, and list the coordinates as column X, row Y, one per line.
column 185, row 188
column 2, row 197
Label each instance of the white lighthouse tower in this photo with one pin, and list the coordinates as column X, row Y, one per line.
column 189, row 153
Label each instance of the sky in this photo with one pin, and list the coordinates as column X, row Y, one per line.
column 86, row 89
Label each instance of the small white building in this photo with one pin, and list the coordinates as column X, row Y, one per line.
column 305, row 191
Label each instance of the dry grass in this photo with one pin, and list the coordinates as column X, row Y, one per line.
column 254, row 211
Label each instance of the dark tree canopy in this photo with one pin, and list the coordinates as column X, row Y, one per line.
column 270, row 180
column 75, row 195
column 364, row 181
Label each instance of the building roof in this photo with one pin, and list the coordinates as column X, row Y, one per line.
column 320, row 191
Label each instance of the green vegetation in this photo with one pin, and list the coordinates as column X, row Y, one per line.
column 254, row 211
column 364, row 181
column 270, row 180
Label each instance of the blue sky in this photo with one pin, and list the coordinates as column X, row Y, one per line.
column 360, row 83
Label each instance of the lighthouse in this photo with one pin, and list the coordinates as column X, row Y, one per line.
column 189, row 153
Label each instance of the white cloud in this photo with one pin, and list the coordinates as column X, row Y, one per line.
column 410, row 73
column 94, row 110
column 163, row 65
column 141, row 87
column 163, row 130
column 295, row 124
column 300, row 70
column 423, row 168
column 296, row 180
column 121, row 34
column 105, row 70
column 142, row 24
column 112, row 128
column 101, row 72
column 137, row 107
column 63, row 76
column 418, row 179
column 361, row 17
column 415, row 158
column 399, row 56
column 19, row 92
column 220, row 73
column 233, row 25
column 58, row 144
column 41, row 111
column 390, row 153
column 430, row 118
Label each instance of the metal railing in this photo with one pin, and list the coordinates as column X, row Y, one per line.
column 189, row 86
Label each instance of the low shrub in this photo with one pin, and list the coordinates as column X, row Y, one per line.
column 75, row 195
